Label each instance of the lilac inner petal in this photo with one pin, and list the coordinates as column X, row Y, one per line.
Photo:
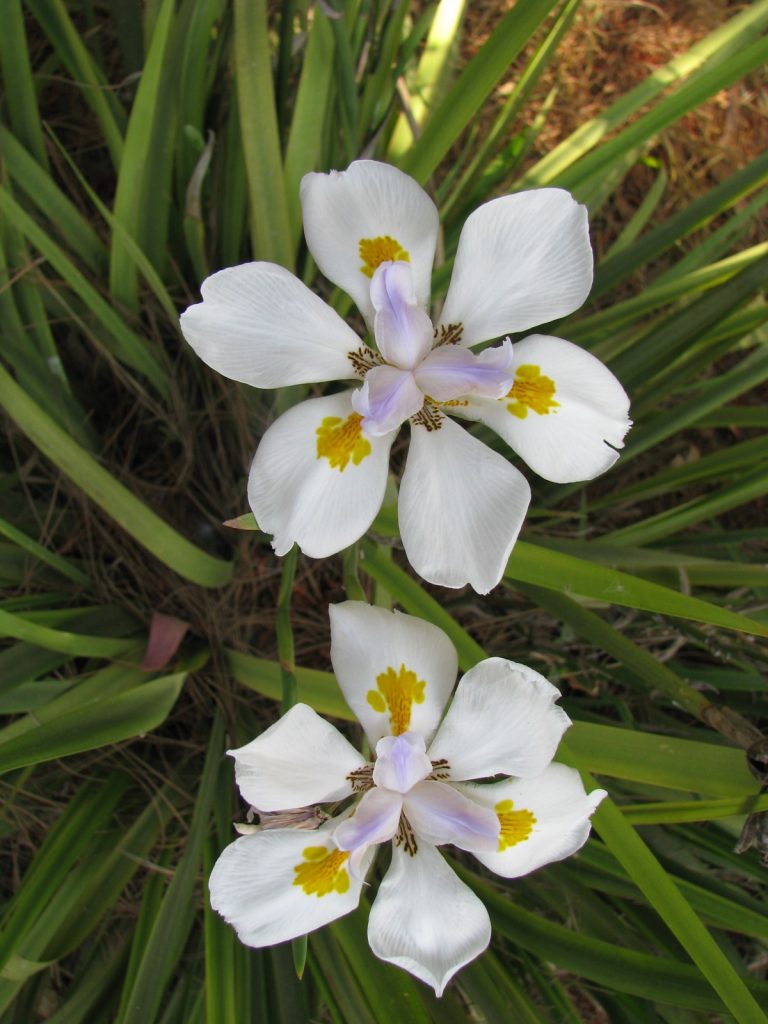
column 387, row 398
column 441, row 814
column 403, row 330
column 375, row 820
column 401, row 762
column 450, row 372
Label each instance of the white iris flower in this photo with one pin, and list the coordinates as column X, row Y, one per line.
column 397, row 673
column 320, row 472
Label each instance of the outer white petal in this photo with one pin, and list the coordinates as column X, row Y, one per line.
column 368, row 200
column 367, row 641
column 562, row 810
column 572, row 440
column 260, row 325
column 522, row 260
column 461, row 507
column 440, row 814
column 503, row 720
column 425, row 919
column 300, row 497
column 298, row 761
column 252, row 887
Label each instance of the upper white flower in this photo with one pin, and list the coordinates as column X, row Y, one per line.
column 397, row 673
column 320, row 472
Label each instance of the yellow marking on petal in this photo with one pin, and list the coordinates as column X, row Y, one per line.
column 341, row 440
column 531, row 390
column 323, row 871
column 374, row 251
column 397, row 692
column 516, row 826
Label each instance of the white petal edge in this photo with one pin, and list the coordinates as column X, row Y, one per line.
column 562, row 810
column 368, row 200
column 260, row 325
column 575, row 440
column 522, row 260
column 461, row 507
column 252, row 887
column 299, row 497
column 503, row 720
column 425, row 919
column 298, row 761
column 366, row 641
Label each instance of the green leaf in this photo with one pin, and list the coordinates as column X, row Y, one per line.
column 96, row 725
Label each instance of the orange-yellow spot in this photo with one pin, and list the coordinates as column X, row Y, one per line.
column 322, row 871
column 397, row 692
column 532, row 390
column 515, row 826
column 374, row 251
column 341, row 440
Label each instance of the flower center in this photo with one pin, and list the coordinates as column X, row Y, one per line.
column 374, row 251
column 341, row 440
column 397, row 693
column 516, row 826
column 532, row 390
column 401, row 762
column 322, row 871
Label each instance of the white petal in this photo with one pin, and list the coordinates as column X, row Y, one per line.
column 576, row 410
column 256, row 887
column 522, row 260
column 441, row 814
column 503, row 720
column 553, row 806
column 300, row 760
column 461, row 507
column 387, row 398
column 260, row 325
column 375, row 820
column 368, row 201
column 425, row 919
column 396, row 672
column 322, row 502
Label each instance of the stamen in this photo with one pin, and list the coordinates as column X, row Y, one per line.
column 532, row 390
column 323, row 871
column 341, row 440
column 428, row 417
column 361, row 779
column 449, row 334
column 364, row 359
column 440, row 770
column 383, row 249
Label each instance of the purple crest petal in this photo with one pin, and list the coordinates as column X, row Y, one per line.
column 386, row 399
column 450, row 372
column 402, row 329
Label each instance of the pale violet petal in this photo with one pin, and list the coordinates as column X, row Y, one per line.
column 396, row 671
column 300, row 760
column 387, row 398
column 461, row 507
column 354, row 219
column 401, row 762
column 450, row 372
column 502, row 720
column 402, row 329
column 566, row 413
column 522, row 260
column 317, row 479
column 375, row 820
column 274, row 886
column 260, row 325
column 425, row 919
column 543, row 819
column 441, row 814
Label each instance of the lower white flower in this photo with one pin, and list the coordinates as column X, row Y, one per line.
column 397, row 674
